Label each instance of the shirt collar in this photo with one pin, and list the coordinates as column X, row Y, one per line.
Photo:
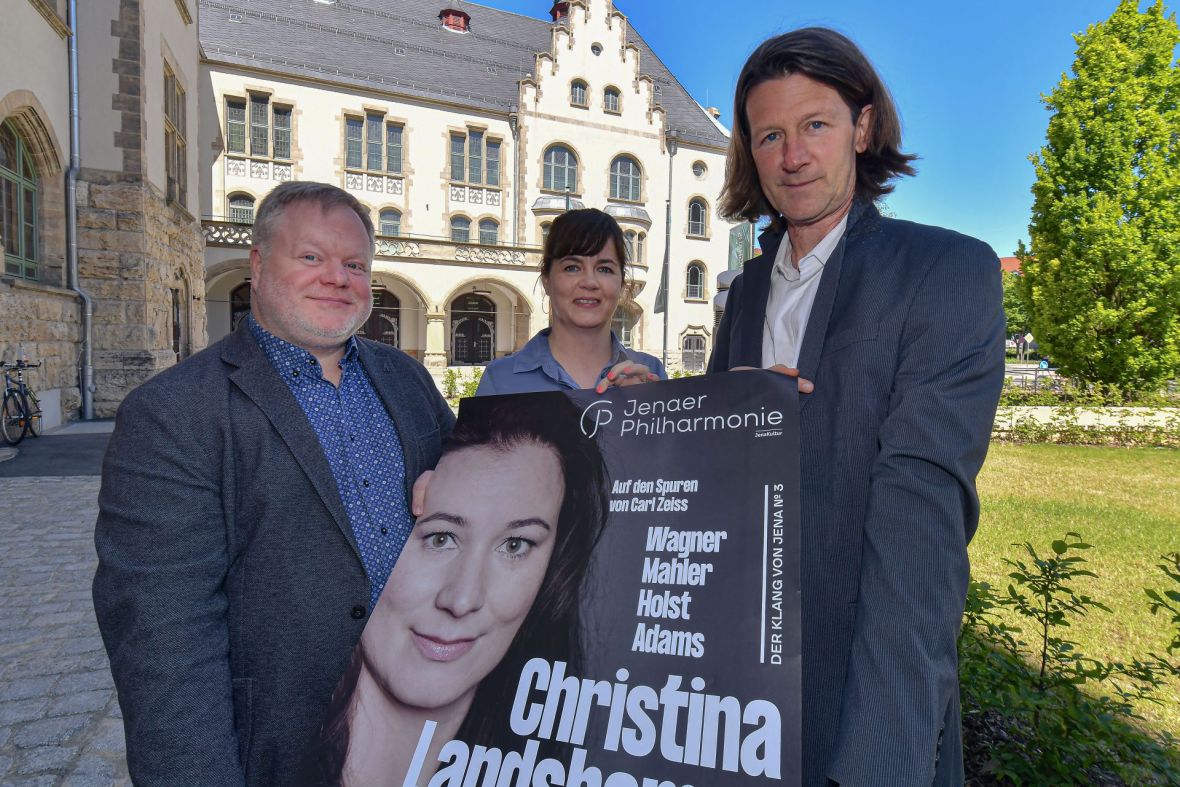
column 817, row 256
column 287, row 357
column 537, row 355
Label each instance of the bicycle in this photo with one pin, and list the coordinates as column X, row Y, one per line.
column 21, row 411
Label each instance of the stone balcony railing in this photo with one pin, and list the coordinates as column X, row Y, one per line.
column 232, row 234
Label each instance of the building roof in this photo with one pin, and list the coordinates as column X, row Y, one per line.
column 403, row 48
column 1010, row 264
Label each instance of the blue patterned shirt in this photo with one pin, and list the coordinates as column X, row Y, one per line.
column 361, row 445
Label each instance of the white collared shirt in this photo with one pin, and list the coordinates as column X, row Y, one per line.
column 792, row 293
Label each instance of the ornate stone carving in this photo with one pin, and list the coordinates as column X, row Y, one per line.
column 354, row 182
column 283, row 172
column 373, row 183
column 227, row 233
column 260, row 169
column 393, row 185
column 488, row 255
column 458, row 193
column 475, row 196
column 494, row 198
column 235, row 166
column 398, row 248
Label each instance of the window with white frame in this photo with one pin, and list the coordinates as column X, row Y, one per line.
column 475, row 158
column 354, row 140
column 389, row 222
column 241, row 208
column 175, row 143
column 489, row 232
column 560, row 170
column 372, row 143
column 460, row 229
column 260, row 125
column 579, row 93
column 698, row 218
column 694, row 278
column 626, row 179
column 235, row 125
column 611, row 100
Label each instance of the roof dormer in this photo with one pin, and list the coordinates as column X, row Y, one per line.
column 454, row 19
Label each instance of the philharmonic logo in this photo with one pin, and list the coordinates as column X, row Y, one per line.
column 682, row 415
column 596, row 414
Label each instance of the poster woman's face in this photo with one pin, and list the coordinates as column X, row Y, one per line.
column 468, row 575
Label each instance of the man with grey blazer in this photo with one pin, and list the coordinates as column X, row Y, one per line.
column 900, row 328
column 254, row 500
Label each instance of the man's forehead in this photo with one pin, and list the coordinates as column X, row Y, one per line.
column 308, row 221
column 794, row 93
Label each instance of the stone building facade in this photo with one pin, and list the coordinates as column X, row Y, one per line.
column 465, row 130
column 139, row 244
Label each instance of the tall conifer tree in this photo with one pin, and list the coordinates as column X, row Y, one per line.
column 1102, row 279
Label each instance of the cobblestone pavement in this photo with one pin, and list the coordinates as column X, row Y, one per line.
column 59, row 719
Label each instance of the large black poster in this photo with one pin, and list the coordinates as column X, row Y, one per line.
column 603, row 591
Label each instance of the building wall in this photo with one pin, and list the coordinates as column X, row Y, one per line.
column 136, row 246
column 425, row 269
column 39, row 318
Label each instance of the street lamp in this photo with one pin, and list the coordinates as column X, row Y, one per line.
column 672, row 139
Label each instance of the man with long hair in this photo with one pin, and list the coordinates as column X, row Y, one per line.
column 901, row 329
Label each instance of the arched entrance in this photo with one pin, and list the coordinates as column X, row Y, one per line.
column 384, row 324
column 473, row 329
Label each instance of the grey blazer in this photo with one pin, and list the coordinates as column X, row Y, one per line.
column 905, row 345
column 230, row 591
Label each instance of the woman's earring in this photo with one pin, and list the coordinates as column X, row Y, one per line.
column 545, row 303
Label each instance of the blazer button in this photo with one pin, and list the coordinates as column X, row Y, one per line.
column 358, row 612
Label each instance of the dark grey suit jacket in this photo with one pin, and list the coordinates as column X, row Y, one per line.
column 905, row 345
column 230, row 591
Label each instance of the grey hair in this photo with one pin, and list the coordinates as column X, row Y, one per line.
column 325, row 195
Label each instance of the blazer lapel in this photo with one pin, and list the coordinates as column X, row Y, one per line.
column 756, row 289
column 391, row 390
column 257, row 379
column 859, row 217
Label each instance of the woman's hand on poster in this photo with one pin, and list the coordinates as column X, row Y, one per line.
column 626, row 373
column 805, row 386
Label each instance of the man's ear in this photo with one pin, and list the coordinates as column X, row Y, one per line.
column 255, row 263
column 864, row 128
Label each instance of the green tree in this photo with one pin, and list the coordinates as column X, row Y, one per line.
column 1014, row 309
column 1102, row 278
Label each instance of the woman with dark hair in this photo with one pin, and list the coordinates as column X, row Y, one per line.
column 584, row 273
column 490, row 577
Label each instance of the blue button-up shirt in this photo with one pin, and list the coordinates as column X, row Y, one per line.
column 361, row 445
column 535, row 369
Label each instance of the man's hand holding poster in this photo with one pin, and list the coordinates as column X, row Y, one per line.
column 601, row 591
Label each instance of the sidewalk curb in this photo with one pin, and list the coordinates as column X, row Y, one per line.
column 7, row 453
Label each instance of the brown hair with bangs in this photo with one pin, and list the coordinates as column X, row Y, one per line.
column 832, row 59
column 583, row 233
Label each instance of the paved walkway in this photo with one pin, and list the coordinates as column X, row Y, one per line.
column 59, row 720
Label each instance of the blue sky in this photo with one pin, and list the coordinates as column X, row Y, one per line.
column 967, row 77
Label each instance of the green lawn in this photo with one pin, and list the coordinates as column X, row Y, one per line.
column 1124, row 501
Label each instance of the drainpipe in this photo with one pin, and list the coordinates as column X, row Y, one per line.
column 514, row 126
column 87, row 371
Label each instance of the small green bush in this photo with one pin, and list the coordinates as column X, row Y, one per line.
column 1026, row 716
